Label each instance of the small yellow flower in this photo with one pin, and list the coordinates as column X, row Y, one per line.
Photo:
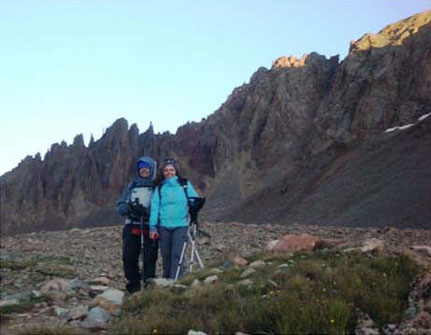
column 332, row 321
column 154, row 331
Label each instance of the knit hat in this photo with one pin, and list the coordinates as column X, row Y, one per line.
column 148, row 163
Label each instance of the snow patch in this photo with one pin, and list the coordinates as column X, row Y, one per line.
column 406, row 126
column 399, row 128
column 423, row 117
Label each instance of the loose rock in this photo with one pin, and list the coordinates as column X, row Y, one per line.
column 97, row 318
column 211, row 279
column 247, row 272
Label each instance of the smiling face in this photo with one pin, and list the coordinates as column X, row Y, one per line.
column 144, row 172
column 169, row 171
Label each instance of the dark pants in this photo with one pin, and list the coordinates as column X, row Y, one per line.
column 131, row 255
column 171, row 245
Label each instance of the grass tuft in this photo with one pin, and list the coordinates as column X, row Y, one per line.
column 24, row 305
column 318, row 292
column 43, row 330
column 41, row 266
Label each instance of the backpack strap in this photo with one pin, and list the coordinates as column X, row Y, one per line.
column 183, row 183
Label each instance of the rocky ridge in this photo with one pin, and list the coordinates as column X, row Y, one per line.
column 313, row 128
column 80, row 270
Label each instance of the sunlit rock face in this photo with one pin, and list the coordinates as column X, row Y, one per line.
column 302, row 142
column 384, row 81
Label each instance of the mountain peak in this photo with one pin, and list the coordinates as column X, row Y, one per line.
column 393, row 34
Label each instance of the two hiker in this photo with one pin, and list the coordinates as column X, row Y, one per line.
column 154, row 210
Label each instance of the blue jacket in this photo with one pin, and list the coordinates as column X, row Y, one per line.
column 138, row 182
column 170, row 209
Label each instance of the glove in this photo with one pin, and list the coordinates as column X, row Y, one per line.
column 138, row 212
column 138, row 209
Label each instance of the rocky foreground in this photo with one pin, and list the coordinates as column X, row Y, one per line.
column 80, row 270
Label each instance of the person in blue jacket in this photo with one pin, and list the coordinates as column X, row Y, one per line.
column 169, row 217
column 135, row 206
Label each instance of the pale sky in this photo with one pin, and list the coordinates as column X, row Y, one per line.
column 75, row 66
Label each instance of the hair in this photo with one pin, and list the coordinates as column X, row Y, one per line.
column 160, row 177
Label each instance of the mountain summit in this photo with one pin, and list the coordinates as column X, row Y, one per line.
column 311, row 140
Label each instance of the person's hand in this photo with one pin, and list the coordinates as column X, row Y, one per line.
column 138, row 210
column 154, row 235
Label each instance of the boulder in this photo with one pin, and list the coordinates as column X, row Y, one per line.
column 98, row 289
column 292, row 243
column 105, row 304
column 422, row 249
column 257, row 264
column 245, row 282
column 60, row 312
column 9, row 302
column 161, row 282
column 97, row 319
column 78, row 313
column 113, row 295
column 196, row 283
column 57, row 296
column 366, row 325
column 237, row 260
column 58, row 284
column 21, row 296
column 417, row 317
column 103, row 281
column 373, row 245
column 247, row 272
column 211, row 279
column 195, row 332
column 271, row 245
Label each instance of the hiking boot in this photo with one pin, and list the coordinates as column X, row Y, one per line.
column 133, row 288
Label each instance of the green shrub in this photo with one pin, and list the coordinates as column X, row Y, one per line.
column 319, row 292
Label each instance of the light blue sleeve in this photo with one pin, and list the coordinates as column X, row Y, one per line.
column 154, row 212
column 191, row 191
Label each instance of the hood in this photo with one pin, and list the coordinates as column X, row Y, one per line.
column 153, row 168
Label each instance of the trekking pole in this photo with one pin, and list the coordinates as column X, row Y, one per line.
column 192, row 253
column 195, row 248
column 142, row 251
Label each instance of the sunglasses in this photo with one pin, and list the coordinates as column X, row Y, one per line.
column 170, row 161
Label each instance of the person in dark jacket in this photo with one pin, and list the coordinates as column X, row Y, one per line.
column 169, row 216
column 135, row 206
